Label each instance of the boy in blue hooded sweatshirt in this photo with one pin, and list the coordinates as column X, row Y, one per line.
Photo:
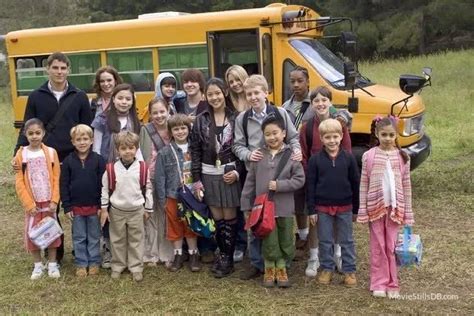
column 166, row 88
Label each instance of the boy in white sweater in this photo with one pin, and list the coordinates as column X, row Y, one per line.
column 126, row 200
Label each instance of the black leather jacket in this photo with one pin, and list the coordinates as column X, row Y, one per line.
column 203, row 144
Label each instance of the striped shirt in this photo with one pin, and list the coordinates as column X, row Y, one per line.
column 372, row 205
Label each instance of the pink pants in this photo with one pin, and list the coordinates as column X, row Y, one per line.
column 383, row 265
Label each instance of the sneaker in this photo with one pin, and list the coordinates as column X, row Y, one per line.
column 37, row 272
column 282, row 278
column 137, row 276
column 350, row 280
column 250, row 273
column 93, row 270
column 53, row 271
column 269, row 277
column 312, row 268
column 393, row 295
column 324, row 277
column 238, row 256
column 81, row 272
column 379, row 294
column 177, row 263
column 107, row 259
column 115, row 275
column 194, row 262
column 207, row 256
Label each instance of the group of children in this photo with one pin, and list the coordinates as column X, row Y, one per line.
column 227, row 154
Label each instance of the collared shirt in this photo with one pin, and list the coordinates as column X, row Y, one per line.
column 57, row 94
column 260, row 116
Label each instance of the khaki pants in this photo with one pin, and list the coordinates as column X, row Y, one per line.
column 126, row 239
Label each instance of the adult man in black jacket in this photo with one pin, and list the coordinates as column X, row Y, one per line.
column 45, row 102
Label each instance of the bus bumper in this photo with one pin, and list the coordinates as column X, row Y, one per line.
column 419, row 151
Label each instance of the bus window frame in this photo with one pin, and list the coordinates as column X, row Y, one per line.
column 286, row 79
column 214, row 53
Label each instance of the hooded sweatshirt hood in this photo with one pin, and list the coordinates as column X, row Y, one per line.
column 159, row 79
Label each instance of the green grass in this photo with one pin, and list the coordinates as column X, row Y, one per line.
column 443, row 202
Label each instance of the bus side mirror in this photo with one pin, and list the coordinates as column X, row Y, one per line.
column 349, row 45
column 350, row 74
column 411, row 84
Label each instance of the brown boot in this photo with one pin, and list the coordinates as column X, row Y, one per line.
column 269, row 277
column 81, row 272
column 324, row 277
column 93, row 270
column 350, row 280
column 194, row 262
column 177, row 263
column 282, row 278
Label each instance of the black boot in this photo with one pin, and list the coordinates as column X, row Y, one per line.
column 227, row 257
column 220, row 227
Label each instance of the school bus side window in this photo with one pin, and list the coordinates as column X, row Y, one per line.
column 83, row 68
column 135, row 67
column 178, row 59
column 30, row 74
column 288, row 66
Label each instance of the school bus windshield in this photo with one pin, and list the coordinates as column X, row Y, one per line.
column 329, row 66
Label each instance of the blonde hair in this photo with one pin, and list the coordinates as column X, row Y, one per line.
column 127, row 138
column 330, row 126
column 238, row 72
column 81, row 129
column 256, row 81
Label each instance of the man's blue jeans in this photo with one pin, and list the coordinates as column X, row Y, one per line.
column 86, row 240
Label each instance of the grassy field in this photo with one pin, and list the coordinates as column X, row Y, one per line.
column 443, row 206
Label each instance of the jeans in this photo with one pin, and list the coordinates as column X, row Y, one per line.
column 241, row 242
column 86, row 240
column 255, row 252
column 344, row 237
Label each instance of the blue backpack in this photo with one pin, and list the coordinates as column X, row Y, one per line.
column 196, row 213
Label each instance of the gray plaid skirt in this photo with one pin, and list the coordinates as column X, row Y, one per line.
column 217, row 193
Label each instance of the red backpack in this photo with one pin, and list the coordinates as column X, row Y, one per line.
column 112, row 180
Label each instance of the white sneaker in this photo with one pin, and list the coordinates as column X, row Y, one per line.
column 379, row 294
column 312, row 268
column 238, row 256
column 53, row 271
column 393, row 294
column 37, row 272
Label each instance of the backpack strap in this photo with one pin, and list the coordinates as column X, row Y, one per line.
column 60, row 113
column 281, row 164
column 245, row 124
column 109, row 167
column 143, row 176
column 155, row 137
column 370, row 160
column 309, row 135
column 299, row 118
column 24, row 160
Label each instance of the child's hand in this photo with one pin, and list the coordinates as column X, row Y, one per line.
column 104, row 216
column 296, row 155
column 146, row 216
column 313, row 219
column 230, row 177
column 53, row 207
column 256, row 155
column 32, row 212
column 272, row 185
column 16, row 167
column 70, row 215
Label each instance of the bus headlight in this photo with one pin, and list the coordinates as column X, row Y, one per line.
column 413, row 125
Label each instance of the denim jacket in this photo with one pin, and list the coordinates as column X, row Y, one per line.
column 167, row 180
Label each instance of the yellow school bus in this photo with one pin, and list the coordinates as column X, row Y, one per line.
column 270, row 40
